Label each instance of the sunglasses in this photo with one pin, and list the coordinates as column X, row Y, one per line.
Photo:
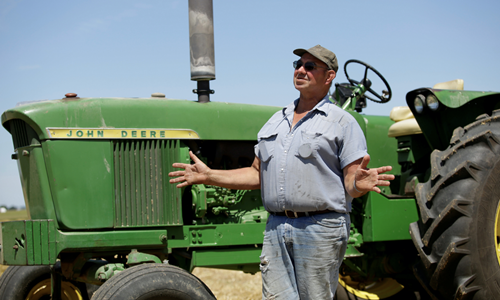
column 308, row 66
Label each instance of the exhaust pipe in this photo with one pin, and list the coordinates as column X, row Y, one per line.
column 201, row 46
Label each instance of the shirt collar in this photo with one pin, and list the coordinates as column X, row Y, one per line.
column 320, row 106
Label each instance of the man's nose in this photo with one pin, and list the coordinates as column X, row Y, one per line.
column 301, row 70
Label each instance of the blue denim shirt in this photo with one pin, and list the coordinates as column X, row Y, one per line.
column 301, row 168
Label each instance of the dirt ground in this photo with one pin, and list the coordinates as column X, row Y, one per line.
column 231, row 285
column 2, row 269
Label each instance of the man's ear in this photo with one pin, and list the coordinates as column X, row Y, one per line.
column 331, row 76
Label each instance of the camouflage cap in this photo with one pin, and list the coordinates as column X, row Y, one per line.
column 321, row 53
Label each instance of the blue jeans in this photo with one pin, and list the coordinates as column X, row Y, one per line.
column 301, row 257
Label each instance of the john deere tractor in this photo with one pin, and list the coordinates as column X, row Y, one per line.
column 104, row 222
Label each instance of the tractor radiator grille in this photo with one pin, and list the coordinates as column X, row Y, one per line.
column 143, row 195
column 19, row 133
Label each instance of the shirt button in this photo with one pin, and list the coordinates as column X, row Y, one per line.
column 282, row 170
column 285, row 151
column 281, row 188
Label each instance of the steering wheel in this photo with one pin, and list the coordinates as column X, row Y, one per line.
column 386, row 94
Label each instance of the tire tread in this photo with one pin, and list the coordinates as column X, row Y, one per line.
column 448, row 205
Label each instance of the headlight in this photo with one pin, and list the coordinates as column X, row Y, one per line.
column 418, row 103
column 432, row 102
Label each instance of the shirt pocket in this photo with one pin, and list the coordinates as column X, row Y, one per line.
column 266, row 146
column 309, row 144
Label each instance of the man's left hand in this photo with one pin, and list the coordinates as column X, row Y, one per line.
column 359, row 179
column 369, row 179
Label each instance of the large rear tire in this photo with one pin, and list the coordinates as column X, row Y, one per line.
column 154, row 282
column 33, row 283
column 457, row 236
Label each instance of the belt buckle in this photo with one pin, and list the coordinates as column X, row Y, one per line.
column 293, row 216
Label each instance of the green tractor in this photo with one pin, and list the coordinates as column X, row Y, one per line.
column 105, row 223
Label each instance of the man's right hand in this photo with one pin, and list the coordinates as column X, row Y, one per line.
column 192, row 174
column 198, row 173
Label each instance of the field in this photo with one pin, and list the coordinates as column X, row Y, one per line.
column 13, row 215
column 231, row 285
column 226, row 285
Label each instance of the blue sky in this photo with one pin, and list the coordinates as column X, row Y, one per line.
column 135, row 48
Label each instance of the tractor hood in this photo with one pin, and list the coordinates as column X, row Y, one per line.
column 92, row 116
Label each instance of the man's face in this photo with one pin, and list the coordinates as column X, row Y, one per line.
column 315, row 79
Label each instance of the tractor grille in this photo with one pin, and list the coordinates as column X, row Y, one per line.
column 143, row 195
column 19, row 133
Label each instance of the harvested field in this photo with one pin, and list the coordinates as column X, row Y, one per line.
column 231, row 285
column 2, row 269
column 13, row 215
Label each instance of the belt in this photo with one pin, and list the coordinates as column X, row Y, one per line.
column 293, row 215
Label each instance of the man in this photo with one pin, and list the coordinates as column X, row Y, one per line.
column 311, row 161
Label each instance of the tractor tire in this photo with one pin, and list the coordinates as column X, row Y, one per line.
column 33, row 283
column 154, row 282
column 458, row 232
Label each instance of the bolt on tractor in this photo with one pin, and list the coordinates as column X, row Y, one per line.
column 104, row 222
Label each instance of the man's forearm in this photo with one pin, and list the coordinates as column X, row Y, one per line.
column 238, row 179
column 199, row 173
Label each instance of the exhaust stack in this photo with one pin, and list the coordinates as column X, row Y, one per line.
column 201, row 44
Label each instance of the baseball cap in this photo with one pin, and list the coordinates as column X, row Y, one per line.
column 321, row 53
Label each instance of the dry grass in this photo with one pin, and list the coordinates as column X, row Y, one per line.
column 2, row 269
column 231, row 285
column 13, row 215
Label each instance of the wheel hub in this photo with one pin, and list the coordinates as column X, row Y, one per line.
column 42, row 291
column 380, row 289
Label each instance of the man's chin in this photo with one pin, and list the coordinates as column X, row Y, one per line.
column 300, row 85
